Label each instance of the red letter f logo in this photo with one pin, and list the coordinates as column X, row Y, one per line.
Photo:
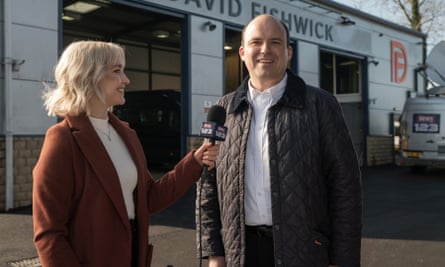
column 399, row 62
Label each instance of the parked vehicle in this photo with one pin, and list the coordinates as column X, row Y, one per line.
column 156, row 118
column 422, row 131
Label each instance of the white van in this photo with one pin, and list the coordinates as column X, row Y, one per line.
column 422, row 131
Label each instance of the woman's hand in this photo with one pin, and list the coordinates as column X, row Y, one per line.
column 217, row 261
column 206, row 154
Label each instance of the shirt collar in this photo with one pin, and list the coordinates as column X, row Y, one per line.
column 276, row 91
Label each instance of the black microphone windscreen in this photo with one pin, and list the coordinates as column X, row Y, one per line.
column 217, row 114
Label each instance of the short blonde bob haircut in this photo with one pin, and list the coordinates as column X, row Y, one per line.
column 77, row 75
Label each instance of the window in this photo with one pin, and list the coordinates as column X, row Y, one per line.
column 339, row 74
column 235, row 71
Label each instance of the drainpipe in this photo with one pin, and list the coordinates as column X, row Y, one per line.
column 9, row 137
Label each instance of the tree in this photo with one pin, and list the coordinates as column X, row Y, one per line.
column 423, row 16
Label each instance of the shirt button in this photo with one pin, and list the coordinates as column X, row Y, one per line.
column 277, row 227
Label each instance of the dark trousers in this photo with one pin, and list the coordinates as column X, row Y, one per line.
column 134, row 244
column 259, row 246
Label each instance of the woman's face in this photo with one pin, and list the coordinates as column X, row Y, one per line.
column 113, row 84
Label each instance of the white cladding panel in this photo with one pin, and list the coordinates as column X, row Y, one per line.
column 383, row 98
column 34, row 40
column 205, row 80
column 383, row 101
column 2, row 41
column 379, row 122
column 38, row 47
column 205, row 41
column 308, row 57
column 347, row 38
column 39, row 14
column 206, row 63
column 209, row 90
column 29, row 116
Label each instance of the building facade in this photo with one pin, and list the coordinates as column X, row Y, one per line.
column 191, row 46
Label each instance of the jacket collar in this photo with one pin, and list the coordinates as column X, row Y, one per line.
column 293, row 95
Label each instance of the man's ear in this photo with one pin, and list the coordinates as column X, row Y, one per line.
column 241, row 52
column 289, row 52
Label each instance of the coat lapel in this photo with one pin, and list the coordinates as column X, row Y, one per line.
column 96, row 154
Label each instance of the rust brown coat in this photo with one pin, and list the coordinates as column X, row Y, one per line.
column 79, row 214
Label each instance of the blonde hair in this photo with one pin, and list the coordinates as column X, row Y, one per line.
column 77, row 74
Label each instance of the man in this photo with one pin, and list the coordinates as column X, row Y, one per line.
column 287, row 188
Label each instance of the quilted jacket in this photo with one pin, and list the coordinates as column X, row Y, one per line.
column 315, row 182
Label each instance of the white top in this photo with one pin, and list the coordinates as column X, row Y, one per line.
column 257, row 201
column 124, row 165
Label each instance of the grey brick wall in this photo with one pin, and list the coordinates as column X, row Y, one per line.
column 380, row 150
column 26, row 153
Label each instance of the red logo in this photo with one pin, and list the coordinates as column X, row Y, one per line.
column 399, row 62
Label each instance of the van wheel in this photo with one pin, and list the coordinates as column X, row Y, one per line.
column 418, row 169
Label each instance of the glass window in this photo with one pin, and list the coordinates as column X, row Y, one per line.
column 235, row 71
column 327, row 72
column 340, row 74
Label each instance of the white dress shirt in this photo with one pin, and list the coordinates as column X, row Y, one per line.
column 257, row 200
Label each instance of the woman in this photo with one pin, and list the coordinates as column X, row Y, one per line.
column 92, row 192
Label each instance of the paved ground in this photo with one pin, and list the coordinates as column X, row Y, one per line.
column 404, row 216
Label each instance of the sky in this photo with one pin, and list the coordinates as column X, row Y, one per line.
column 380, row 9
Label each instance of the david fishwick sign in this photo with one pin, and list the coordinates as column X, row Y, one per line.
column 300, row 22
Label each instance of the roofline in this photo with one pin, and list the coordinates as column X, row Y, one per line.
column 359, row 13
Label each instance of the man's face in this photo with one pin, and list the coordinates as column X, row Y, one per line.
column 265, row 51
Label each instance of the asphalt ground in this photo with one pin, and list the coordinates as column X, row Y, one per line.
column 404, row 215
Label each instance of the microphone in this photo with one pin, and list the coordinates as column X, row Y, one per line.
column 213, row 128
